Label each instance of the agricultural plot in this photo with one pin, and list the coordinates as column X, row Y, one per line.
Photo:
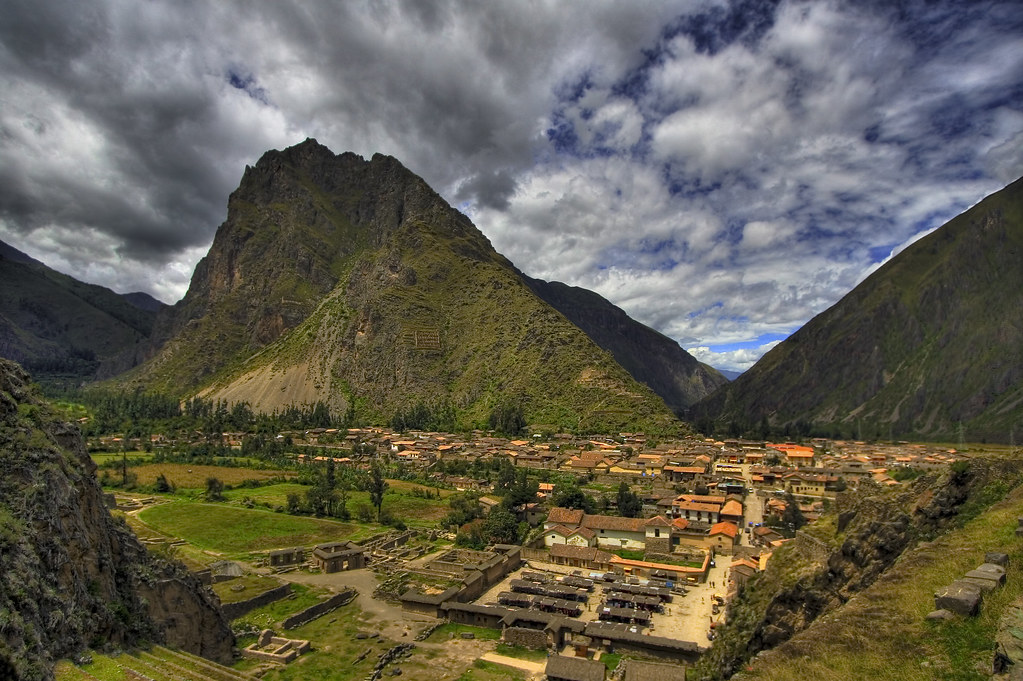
column 237, row 532
column 188, row 476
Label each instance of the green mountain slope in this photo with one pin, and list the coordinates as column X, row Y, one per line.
column 929, row 346
column 650, row 357
column 57, row 326
column 352, row 282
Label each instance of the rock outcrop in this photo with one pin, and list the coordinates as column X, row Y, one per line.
column 71, row 576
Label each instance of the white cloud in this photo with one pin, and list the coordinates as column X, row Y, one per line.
column 720, row 173
column 733, row 360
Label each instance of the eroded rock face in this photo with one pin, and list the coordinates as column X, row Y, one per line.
column 71, row 576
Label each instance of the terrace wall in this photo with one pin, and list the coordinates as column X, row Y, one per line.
column 235, row 610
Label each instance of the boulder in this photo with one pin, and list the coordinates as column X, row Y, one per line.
column 984, row 584
column 959, row 597
column 939, row 615
column 996, row 558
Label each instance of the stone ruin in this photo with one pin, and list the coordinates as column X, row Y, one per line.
column 275, row 648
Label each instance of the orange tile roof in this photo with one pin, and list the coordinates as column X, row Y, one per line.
column 731, row 507
column 729, row 529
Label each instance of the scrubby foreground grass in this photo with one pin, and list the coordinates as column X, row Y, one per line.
column 234, row 531
column 882, row 634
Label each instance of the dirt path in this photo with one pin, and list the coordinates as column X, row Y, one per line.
column 393, row 622
column 535, row 669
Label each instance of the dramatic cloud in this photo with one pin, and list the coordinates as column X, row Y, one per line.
column 722, row 171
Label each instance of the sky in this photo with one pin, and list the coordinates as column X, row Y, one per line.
column 722, row 171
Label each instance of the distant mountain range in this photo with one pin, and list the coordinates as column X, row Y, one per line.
column 929, row 346
column 62, row 329
column 352, row 282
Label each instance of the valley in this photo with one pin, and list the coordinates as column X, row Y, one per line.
column 431, row 477
column 365, row 444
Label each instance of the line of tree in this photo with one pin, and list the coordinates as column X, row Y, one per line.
column 139, row 412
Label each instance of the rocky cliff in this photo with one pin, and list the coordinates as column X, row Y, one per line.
column 350, row 281
column 929, row 346
column 71, row 576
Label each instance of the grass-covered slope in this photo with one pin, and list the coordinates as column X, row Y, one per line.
column 393, row 298
column 859, row 611
column 650, row 357
column 56, row 325
column 929, row 346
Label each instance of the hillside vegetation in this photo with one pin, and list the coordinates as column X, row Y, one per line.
column 859, row 611
column 930, row 346
column 64, row 330
column 352, row 282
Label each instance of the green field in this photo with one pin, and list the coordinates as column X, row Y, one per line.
column 244, row 587
column 414, row 511
column 234, row 531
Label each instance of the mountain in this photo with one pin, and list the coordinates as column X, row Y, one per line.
column 71, row 577
column 649, row 356
column 928, row 346
column 59, row 327
column 352, row 282
column 730, row 375
column 143, row 301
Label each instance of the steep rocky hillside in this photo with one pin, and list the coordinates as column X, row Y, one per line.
column 352, row 282
column 929, row 346
column 58, row 326
column 854, row 591
column 650, row 357
column 71, row 576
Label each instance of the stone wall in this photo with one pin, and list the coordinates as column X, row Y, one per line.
column 812, row 547
column 536, row 554
column 534, row 639
column 320, row 609
column 235, row 610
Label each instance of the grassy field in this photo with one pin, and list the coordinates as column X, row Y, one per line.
column 100, row 458
column 271, row 495
column 882, row 634
column 236, row 532
column 244, row 587
column 268, row 616
column 189, row 476
column 413, row 510
column 449, row 629
column 335, row 647
column 488, row 671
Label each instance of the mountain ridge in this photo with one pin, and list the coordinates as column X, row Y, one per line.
column 388, row 296
column 65, row 329
column 929, row 346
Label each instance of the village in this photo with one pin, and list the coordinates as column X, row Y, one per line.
column 588, row 581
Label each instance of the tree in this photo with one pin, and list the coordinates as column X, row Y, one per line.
column 162, row 485
column 629, row 503
column 214, row 489
column 570, row 496
column 508, row 417
column 501, row 526
column 377, row 487
column 792, row 518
